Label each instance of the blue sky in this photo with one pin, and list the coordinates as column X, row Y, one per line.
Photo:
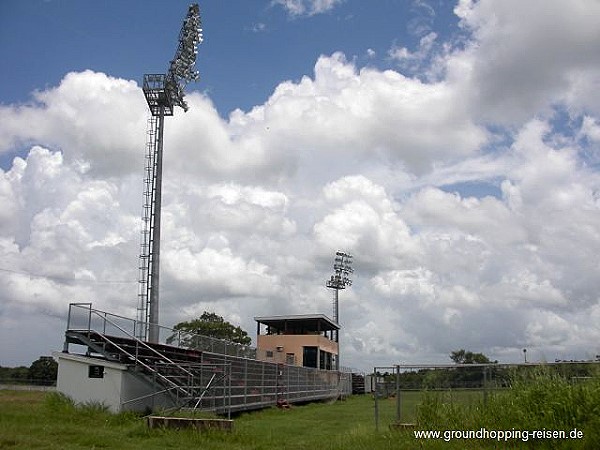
column 250, row 46
column 451, row 147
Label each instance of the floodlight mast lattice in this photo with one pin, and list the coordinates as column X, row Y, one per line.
column 163, row 93
column 342, row 267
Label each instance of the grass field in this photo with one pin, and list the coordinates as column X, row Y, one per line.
column 32, row 420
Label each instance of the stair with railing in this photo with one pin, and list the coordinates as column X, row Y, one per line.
column 178, row 372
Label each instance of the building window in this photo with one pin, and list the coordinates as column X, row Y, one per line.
column 325, row 360
column 269, row 353
column 309, row 358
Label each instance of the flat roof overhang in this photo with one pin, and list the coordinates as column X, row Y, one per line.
column 314, row 322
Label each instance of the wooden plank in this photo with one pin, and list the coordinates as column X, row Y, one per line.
column 187, row 422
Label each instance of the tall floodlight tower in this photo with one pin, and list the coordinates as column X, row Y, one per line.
column 338, row 281
column 163, row 92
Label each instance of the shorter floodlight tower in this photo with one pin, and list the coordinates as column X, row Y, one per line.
column 338, row 281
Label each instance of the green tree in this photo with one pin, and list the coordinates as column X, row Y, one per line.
column 464, row 357
column 212, row 325
column 44, row 370
column 473, row 376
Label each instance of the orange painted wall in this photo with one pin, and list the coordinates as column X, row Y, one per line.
column 292, row 343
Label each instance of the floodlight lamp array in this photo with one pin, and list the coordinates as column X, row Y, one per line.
column 182, row 69
column 342, row 268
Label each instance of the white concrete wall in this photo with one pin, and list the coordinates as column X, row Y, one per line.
column 115, row 389
column 73, row 380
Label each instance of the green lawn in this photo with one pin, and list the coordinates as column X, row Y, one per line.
column 30, row 420
column 36, row 420
column 410, row 400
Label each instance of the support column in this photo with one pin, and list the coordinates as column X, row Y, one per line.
column 153, row 319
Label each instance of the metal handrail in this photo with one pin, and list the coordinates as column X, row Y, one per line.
column 137, row 361
column 138, row 341
column 172, row 331
column 103, row 316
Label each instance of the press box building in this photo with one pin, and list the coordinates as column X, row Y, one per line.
column 307, row 340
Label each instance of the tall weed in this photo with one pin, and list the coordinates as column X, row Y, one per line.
column 536, row 400
column 58, row 402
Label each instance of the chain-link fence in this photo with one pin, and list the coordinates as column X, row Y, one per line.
column 400, row 390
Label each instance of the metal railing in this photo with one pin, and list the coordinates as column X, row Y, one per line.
column 83, row 317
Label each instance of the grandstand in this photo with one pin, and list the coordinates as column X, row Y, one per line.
column 104, row 362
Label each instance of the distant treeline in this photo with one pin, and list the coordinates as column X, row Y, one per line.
column 43, row 371
column 478, row 377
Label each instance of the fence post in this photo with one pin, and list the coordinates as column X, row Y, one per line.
column 376, row 395
column 398, row 400
column 262, row 382
column 229, row 389
column 485, row 385
column 245, row 378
